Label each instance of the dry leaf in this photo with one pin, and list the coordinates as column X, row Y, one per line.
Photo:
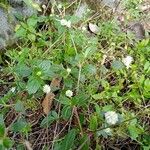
column 47, row 102
column 94, row 28
column 55, row 83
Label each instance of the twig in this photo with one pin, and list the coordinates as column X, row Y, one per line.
column 79, row 76
column 78, row 119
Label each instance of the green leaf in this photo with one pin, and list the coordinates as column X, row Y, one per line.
column 2, row 131
column 52, row 116
column 33, row 85
column 85, row 139
column 2, row 120
column 20, row 147
column 147, row 85
column 21, row 32
column 22, row 70
column 147, row 66
column 117, row 65
column 80, row 100
column 134, row 131
column 93, row 123
column 19, row 107
column 31, row 37
column 45, row 65
column 2, row 126
column 69, row 139
column 64, row 100
column 89, row 69
column 97, row 96
column 66, row 112
column 32, row 22
column 7, row 143
column 19, row 126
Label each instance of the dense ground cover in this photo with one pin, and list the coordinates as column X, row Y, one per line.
column 76, row 82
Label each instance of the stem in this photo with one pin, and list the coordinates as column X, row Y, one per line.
column 79, row 76
column 77, row 116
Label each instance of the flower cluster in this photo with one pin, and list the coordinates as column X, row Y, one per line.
column 66, row 23
column 69, row 93
column 111, row 117
column 127, row 61
column 46, row 88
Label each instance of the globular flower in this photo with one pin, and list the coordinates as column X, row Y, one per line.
column 68, row 70
column 83, row 28
column 59, row 6
column 44, row 7
column 127, row 61
column 111, row 117
column 46, row 88
column 65, row 23
column 107, row 130
column 69, row 93
column 13, row 89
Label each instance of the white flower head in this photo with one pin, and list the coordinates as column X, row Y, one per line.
column 13, row 89
column 68, row 70
column 111, row 117
column 46, row 88
column 83, row 28
column 44, row 7
column 69, row 93
column 127, row 61
column 59, row 6
column 107, row 130
column 66, row 23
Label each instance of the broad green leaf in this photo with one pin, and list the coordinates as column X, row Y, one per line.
column 64, row 100
column 98, row 110
column 7, row 143
column 31, row 37
column 147, row 85
column 45, row 65
column 147, row 66
column 97, row 96
column 52, row 116
column 2, row 120
column 33, row 85
column 80, row 100
column 21, row 32
column 89, row 69
column 22, row 70
column 69, row 140
column 19, row 107
column 117, row 65
column 32, row 22
column 19, row 126
column 85, row 139
column 93, row 123
column 2, row 130
column 20, row 147
column 134, row 131
column 66, row 112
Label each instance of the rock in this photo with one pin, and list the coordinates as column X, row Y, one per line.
column 81, row 10
column 138, row 30
column 9, row 18
column 5, row 29
column 97, row 4
column 110, row 3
